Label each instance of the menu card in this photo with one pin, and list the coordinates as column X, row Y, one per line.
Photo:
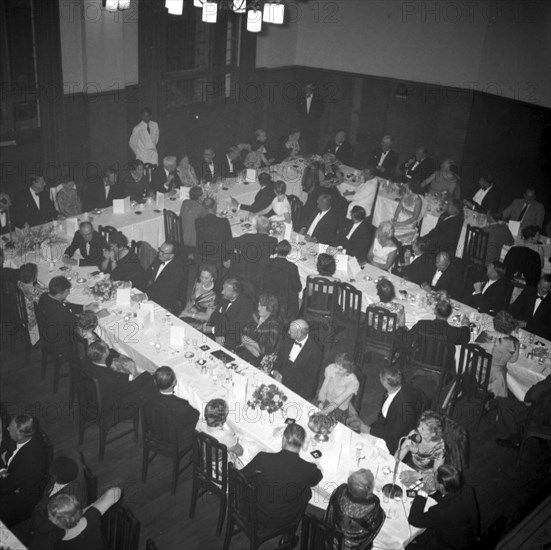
column 160, row 200
column 145, row 314
column 240, row 389
column 177, row 336
column 288, row 231
column 121, row 206
column 353, row 266
column 123, row 297
column 341, row 260
column 250, row 176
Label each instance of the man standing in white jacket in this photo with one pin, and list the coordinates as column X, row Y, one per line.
column 144, row 139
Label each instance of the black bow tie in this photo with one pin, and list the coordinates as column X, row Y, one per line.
column 299, row 344
column 541, row 297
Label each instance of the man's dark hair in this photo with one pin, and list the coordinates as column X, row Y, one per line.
column 450, row 477
column 530, row 231
column 164, row 377
column 134, row 164
column 283, row 248
column 391, row 375
column 195, row 193
column 294, row 435
column 146, row 110
column 58, row 285
column 264, row 179
column 235, row 285
column 358, row 213
column 25, row 424
column 97, row 351
column 443, row 309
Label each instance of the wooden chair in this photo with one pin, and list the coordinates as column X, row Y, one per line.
column 15, row 319
column 379, row 335
column 473, row 374
column 173, row 229
column 210, row 473
column 90, row 480
column 538, row 423
column 275, row 281
column 296, row 211
column 121, row 528
column 160, row 437
column 476, row 245
column 348, row 312
column 90, row 411
column 243, row 514
column 106, row 231
column 317, row 534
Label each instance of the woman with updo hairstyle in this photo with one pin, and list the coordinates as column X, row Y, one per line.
column 203, row 299
column 387, row 294
column 383, row 251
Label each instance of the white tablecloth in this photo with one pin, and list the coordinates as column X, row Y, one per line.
column 8, row 540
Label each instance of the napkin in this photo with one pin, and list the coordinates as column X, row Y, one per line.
column 353, row 266
column 342, row 263
column 120, row 206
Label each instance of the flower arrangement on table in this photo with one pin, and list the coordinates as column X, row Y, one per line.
column 435, row 203
column 104, row 290
column 33, row 238
column 267, row 398
column 322, row 425
column 277, row 228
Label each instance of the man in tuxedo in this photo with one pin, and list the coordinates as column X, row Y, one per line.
column 33, row 206
column 89, row 243
column 144, row 139
column 190, row 211
column 229, row 318
column 23, row 463
column 418, row 263
column 532, row 308
column 384, row 158
column 444, row 277
column 323, row 225
column 167, row 279
column 400, row 409
column 487, row 197
column 445, row 236
column 527, row 211
column 249, row 252
column 102, row 194
column 489, row 295
column 165, row 178
column 310, row 107
column 341, row 148
column 356, row 235
column 263, row 198
column 298, row 361
column 212, row 235
column 283, row 479
column 185, row 415
column 523, row 259
column 499, row 235
column 136, row 185
column 417, row 169
column 210, row 171
column 231, row 164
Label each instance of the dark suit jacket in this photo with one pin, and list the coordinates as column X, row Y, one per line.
column 493, row 299
column 184, row 414
column 401, row 418
column 25, row 210
column 97, row 244
column 524, row 260
column 159, row 178
column 212, row 235
column 249, row 253
column 445, row 235
column 414, row 177
column 226, row 171
column 95, row 196
column 280, row 275
column 229, row 322
column 309, row 121
column 534, row 215
column 454, row 519
column 130, row 269
column 262, row 200
column 451, row 281
column 421, row 270
column 327, row 228
column 205, row 173
column 343, row 154
column 389, row 164
column 300, row 376
column 136, row 190
column 169, row 290
column 283, row 480
column 358, row 244
column 523, row 309
column 491, row 201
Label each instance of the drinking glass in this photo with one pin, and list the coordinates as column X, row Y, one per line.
column 359, row 450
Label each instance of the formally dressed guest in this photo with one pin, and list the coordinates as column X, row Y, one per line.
column 533, row 308
column 144, row 139
column 102, row 193
column 230, row 317
column 499, row 235
column 365, row 194
column 190, row 211
column 399, row 410
column 355, row 235
column 249, row 252
column 445, row 277
column 67, row 199
column 324, row 223
column 89, row 243
column 340, row 384
column 526, row 259
column 355, row 511
column 262, row 332
column 185, row 416
column 387, row 300
column 263, row 198
column 445, row 182
column 489, row 295
column 231, row 163
column 122, row 263
column 383, row 251
column 341, row 148
column 298, row 360
column 33, row 206
column 212, row 235
column 32, row 290
column 311, row 188
column 454, row 520
column 527, row 211
column 165, row 178
column 215, row 425
column 82, row 526
column 310, row 107
column 136, row 184
column 445, row 235
column 210, row 171
column 384, row 158
column 260, row 139
column 513, row 414
column 203, row 299
column 256, row 157
column 418, row 263
column 293, row 145
column 407, row 216
column 167, row 278
column 326, row 266
column 487, row 197
column 284, row 480
column 186, row 173
column 23, row 464
column 504, row 349
column 417, row 169
column 280, row 206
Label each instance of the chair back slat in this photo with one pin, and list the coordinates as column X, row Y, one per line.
column 474, row 368
column 476, row 245
column 350, row 303
column 159, row 427
column 296, row 211
column 430, row 351
column 317, row 534
column 173, row 228
column 321, row 296
column 210, row 460
column 380, row 324
column 89, row 396
column 121, row 528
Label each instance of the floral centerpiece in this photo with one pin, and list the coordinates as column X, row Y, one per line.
column 322, row 425
column 277, row 228
column 267, row 398
column 104, row 290
column 34, row 238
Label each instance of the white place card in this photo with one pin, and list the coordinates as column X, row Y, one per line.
column 123, row 297
column 177, row 336
column 514, row 228
column 160, row 200
column 288, row 231
column 184, row 193
column 240, row 389
column 145, row 313
column 71, row 225
column 354, row 267
column 250, row 176
column 121, row 206
column 342, row 263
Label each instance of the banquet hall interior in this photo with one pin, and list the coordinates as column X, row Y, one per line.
column 386, row 160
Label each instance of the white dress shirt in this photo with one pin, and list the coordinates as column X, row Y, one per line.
column 383, row 157
column 144, row 143
column 537, row 303
column 3, row 219
column 296, row 349
column 18, row 447
column 388, row 401
column 487, row 286
column 480, row 194
column 161, row 268
column 35, row 197
column 314, row 224
column 309, row 103
column 436, row 277
column 352, row 229
column 364, row 196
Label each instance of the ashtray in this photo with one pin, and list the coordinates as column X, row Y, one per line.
column 81, row 280
column 201, row 362
column 138, row 212
column 157, row 210
column 247, row 225
column 387, row 470
column 367, row 278
column 97, row 211
column 172, row 198
column 403, row 294
column 189, row 354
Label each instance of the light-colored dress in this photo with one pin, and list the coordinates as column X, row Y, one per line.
column 187, row 175
column 334, row 386
column 256, row 159
column 423, row 462
column 201, row 301
column 224, row 435
column 439, row 183
column 381, row 253
column 281, row 208
column 406, row 234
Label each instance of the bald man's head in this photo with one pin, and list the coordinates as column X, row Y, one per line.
column 298, row 329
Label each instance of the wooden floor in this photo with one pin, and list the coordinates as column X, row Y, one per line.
column 501, row 489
